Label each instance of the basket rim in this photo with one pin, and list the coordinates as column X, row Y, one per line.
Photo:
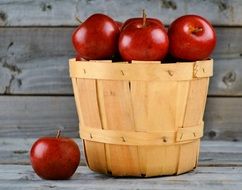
column 140, row 70
column 140, row 62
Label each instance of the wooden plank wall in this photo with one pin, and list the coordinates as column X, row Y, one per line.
column 36, row 96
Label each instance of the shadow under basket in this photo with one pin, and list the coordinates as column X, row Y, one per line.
column 141, row 118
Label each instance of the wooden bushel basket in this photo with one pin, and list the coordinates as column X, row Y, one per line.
column 141, row 119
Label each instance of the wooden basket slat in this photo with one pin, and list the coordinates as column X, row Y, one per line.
column 196, row 101
column 170, row 159
column 198, row 151
column 155, row 118
column 138, row 98
column 195, row 105
column 118, row 115
column 160, row 118
column 181, row 102
column 187, row 157
column 88, row 101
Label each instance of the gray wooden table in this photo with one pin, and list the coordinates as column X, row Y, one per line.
column 220, row 168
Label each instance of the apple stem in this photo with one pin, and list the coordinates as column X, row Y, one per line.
column 195, row 30
column 58, row 133
column 144, row 18
column 79, row 20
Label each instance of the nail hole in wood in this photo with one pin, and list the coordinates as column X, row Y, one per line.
column 112, row 93
column 84, row 71
column 3, row 16
column 181, row 136
column 229, row 78
column 168, row 4
column 143, row 175
column 164, row 139
column 204, row 70
column 171, row 73
column 91, row 135
column 212, row 134
column 123, row 139
column 122, row 72
column 194, row 134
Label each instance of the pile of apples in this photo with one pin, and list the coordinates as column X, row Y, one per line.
column 188, row 38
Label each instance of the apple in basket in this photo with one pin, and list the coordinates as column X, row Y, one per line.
column 191, row 38
column 144, row 40
column 96, row 38
column 55, row 158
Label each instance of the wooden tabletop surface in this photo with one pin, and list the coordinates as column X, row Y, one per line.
column 220, row 167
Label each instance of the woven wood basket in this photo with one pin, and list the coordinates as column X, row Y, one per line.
column 141, row 119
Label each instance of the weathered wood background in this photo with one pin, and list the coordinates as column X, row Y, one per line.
column 35, row 45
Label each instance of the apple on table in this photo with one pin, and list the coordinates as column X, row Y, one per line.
column 55, row 158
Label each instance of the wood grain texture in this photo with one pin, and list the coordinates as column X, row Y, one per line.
column 35, row 61
column 116, row 113
column 203, row 178
column 59, row 13
column 212, row 153
column 40, row 57
column 34, row 116
column 223, row 119
column 88, row 108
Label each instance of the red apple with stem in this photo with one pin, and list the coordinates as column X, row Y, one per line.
column 191, row 38
column 143, row 40
column 96, row 38
column 55, row 158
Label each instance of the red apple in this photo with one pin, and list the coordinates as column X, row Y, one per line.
column 96, row 38
column 143, row 40
column 191, row 38
column 55, row 158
